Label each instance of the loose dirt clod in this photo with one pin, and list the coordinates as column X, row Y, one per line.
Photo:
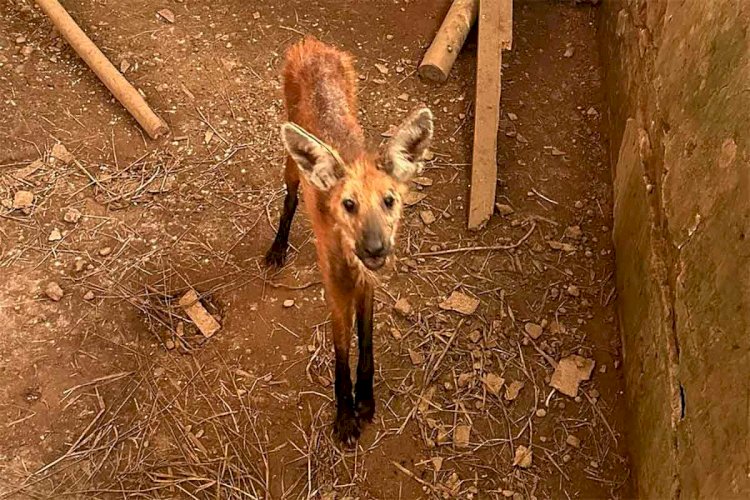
column 460, row 303
column 288, row 303
column 88, row 296
column 427, row 217
column 61, row 153
column 462, row 436
column 54, row 292
column 570, row 372
column 573, row 441
column 534, row 330
column 523, row 457
column 55, row 235
column 72, row 216
column 206, row 323
column 403, row 307
column 493, row 383
column 504, row 210
column 23, row 200
column 513, row 389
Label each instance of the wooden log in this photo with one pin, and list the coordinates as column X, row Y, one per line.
column 439, row 58
column 487, row 109
column 103, row 68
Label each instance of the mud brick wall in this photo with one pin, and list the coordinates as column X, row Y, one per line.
column 678, row 77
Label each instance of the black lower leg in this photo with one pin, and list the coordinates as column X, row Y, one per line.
column 365, row 402
column 346, row 426
column 277, row 253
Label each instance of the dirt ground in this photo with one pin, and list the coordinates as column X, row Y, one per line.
column 111, row 392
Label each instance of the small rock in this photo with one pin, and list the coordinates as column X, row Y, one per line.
column 105, row 251
column 403, row 97
column 569, row 374
column 541, row 413
column 461, row 303
column 167, row 15
column 521, row 139
column 413, row 198
column 523, row 457
column 569, row 52
column 417, row 357
column 493, row 382
column 513, row 390
column 427, row 217
column 382, row 68
column 20, row 39
column 403, row 307
column 88, row 296
column 512, row 117
column 72, row 216
column 124, row 66
column 169, row 344
column 475, row 336
column 389, row 37
column 578, row 204
column 54, row 292
column 504, row 210
column 508, row 493
column 573, row 291
column 573, row 441
column 422, row 181
column 573, row 232
column 288, row 303
column 55, row 235
column 428, row 155
column 461, row 436
column 256, row 15
column 61, row 153
column 465, row 379
column 563, row 247
column 23, row 200
column 534, row 330
column 592, row 112
column 79, row 265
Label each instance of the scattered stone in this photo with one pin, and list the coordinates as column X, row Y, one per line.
column 513, row 390
column 105, row 251
column 573, row 291
column 403, row 307
column 493, row 382
column 23, row 200
column 428, row 155
column 389, row 37
column 403, row 97
column 569, row 374
column 569, row 52
column 256, row 15
column 465, row 379
column 422, row 181
column 54, row 292
column 79, row 265
column 88, row 296
column 556, row 327
column 512, row 117
column 460, row 303
column 288, row 303
column 124, row 66
column 475, row 336
column 167, row 15
column 206, row 323
column 169, row 344
column 382, row 68
column 427, row 217
column 578, row 204
column 534, row 330
column 413, row 198
column 61, row 153
column 573, row 232
column 522, row 457
column 55, row 235
column 521, row 139
column 541, row 413
column 72, row 216
column 417, row 357
column 437, row 463
column 461, row 436
column 564, row 247
column 573, row 441
column 592, row 112
column 504, row 210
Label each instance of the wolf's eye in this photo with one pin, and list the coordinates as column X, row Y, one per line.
column 349, row 205
column 389, row 200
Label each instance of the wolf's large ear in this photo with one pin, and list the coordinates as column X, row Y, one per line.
column 403, row 157
column 318, row 161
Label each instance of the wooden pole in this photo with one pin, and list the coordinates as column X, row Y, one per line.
column 439, row 58
column 104, row 70
column 494, row 26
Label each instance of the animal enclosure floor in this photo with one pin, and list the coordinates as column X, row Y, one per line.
column 109, row 392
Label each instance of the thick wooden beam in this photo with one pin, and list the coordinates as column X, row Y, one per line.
column 495, row 27
column 439, row 58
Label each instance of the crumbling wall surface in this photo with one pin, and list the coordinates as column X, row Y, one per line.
column 678, row 77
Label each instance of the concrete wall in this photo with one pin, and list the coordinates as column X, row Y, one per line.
column 678, row 76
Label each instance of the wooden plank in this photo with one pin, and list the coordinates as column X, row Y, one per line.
column 486, row 111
